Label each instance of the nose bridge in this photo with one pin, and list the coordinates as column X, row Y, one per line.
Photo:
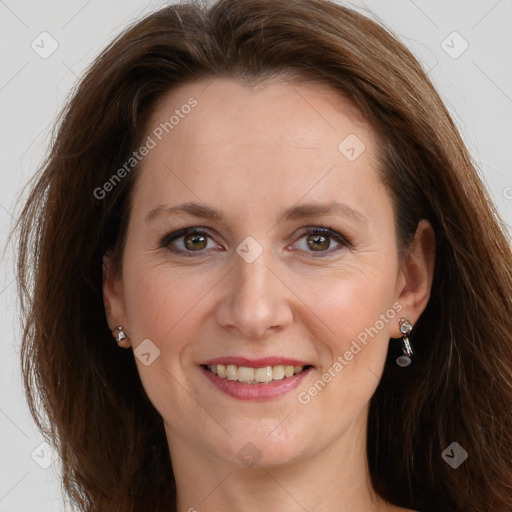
column 252, row 260
column 253, row 277
column 256, row 298
column 254, row 289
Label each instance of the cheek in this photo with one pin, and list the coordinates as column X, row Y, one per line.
column 165, row 305
column 162, row 300
column 344, row 316
column 353, row 315
column 348, row 303
column 171, row 302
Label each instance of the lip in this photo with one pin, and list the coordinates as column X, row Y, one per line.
column 255, row 392
column 256, row 363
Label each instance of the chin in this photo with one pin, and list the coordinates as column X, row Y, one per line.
column 262, row 448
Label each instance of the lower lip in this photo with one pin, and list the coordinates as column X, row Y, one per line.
column 262, row 391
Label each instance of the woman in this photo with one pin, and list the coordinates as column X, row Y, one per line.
column 254, row 198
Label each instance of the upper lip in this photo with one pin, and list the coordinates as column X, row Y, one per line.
column 255, row 363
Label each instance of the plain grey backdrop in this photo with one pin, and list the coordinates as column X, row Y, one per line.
column 45, row 47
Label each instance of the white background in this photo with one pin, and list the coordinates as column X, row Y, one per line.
column 476, row 86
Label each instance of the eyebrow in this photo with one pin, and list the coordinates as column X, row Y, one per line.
column 296, row 212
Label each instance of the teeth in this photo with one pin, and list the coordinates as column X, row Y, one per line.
column 231, row 372
column 254, row 375
column 244, row 374
column 263, row 374
column 278, row 372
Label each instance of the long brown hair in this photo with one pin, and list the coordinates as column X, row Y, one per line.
column 85, row 393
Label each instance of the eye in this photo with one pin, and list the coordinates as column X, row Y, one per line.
column 319, row 240
column 193, row 241
column 187, row 241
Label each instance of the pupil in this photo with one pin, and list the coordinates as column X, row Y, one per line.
column 192, row 240
column 317, row 242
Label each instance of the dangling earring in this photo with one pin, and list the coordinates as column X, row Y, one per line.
column 406, row 358
column 120, row 335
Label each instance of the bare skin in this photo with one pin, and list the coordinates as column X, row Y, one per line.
column 252, row 154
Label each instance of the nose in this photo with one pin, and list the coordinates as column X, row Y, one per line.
column 256, row 300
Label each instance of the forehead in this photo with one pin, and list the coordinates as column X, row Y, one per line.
column 279, row 111
column 278, row 141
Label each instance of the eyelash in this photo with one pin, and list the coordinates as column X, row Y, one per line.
column 320, row 230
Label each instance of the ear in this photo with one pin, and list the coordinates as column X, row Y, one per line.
column 416, row 275
column 114, row 301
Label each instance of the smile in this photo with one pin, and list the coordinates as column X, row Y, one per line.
column 261, row 381
column 262, row 375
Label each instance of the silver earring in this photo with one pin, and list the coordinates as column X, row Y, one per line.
column 120, row 335
column 406, row 358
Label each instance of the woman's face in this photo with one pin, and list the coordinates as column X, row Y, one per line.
column 257, row 286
